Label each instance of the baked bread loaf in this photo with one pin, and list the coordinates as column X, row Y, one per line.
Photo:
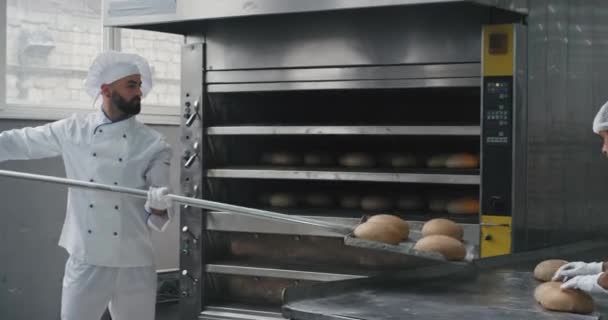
column 444, row 227
column 545, row 270
column 463, row 206
column 449, row 247
column 379, row 232
column 462, row 161
column 391, row 220
column 282, row 200
column 281, row 158
column 551, row 297
column 357, row 160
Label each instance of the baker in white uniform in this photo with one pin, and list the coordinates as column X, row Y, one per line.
column 107, row 235
column 589, row 276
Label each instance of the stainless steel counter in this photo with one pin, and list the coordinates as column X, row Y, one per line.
column 500, row 288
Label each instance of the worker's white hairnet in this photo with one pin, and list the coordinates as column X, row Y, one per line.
column 600, row 123
column 110, row 66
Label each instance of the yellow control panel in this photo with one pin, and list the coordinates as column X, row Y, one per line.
column 495, row 235
column 498, row 107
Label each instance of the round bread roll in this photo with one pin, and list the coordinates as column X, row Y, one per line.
column 282, row 200
column 438, row 204
column 545, row 270
column 357, row 160
column 462, row 161
column 379, row 232
column 449, row 247
column 282, row 159
column 410, row 202
column 376, row 203
column 552, row 297
column 402, row 161
column 317, row 159
column 442, row 227
column 350, row 202
column 463, row 206
column 437, row 161
column 391, row 220
column 318, row 200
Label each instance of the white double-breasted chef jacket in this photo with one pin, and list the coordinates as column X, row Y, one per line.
column 101, row 228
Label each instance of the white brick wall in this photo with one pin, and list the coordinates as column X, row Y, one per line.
column 55, row 75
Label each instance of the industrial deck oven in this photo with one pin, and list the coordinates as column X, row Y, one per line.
column 342, row 109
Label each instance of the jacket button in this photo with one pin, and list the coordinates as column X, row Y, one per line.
column 120, row 159
column 115, row 233
column 91, row 205
column 89, row 231
column 94, row 154
column 91, row 180
column 116, row 207
column 100, row 131
column 115, row 183
column 124, row 136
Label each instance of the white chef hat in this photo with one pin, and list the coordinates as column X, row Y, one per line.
column 600, row 123
column 110, row 66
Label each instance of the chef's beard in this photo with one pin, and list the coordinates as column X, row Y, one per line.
column 131, row 108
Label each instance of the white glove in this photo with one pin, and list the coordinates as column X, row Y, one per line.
column 600, row 122
column 578, row 268
column 157, row 199
column 586, row 283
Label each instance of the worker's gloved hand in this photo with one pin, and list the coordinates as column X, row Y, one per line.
column 578, row 268
column 588, row 283
column 157, row 199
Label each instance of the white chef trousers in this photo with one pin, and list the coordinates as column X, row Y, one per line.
column 89, row 289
